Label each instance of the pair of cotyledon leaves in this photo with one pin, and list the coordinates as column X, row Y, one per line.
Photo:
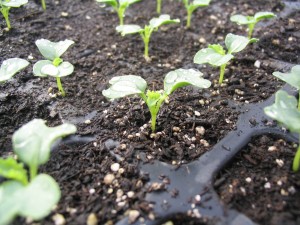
column 120, row 3
column 32, row 144
column 122, row 86
column 154, row 23
column 241, row 19
column 52, row 51
column 216, row 55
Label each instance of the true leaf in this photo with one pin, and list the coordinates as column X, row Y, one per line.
column 10, row 67
column 51, row 50
column 184, row 77
column 292, row 78
column 122, row 86
column 11, row 169
column 285, row 111
column 32, row 142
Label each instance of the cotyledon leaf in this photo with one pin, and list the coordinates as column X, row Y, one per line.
column 292, row 78
column 10, row 67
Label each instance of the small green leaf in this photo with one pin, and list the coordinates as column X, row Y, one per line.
column 129, row 29
column 10, row 67
column 236, row 43
column 35, row 200
column 200, row 3
column 218, row 48
column 210, row 56
column 112, row 3
column 184, row 77
column 13, row 3
column 32, row 142
column 51, row 50
column 122, row 86
column 161, row 20
column 285, row 111
column 152, row 98
column 263, row 15
column 292, row 78
column 44, row 68
column 11, row 169
column 241, row 19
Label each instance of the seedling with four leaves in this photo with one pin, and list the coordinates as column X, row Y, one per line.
column 192, row 6
column 251, row 21
column 10, row 67
column 146, row 32
column 6, row 5
column 53, row 65
column 216, row 55
column 122, row 86
column 32, row 197
column 119, row 6
column 286, row 109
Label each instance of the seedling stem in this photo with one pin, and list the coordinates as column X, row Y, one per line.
column 5, row 11
column 158, row 6
column 60, row 88
column 222, row 71
column 43, row 4
column 251, row 28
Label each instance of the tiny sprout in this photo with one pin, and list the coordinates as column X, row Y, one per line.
column 191, row 7
column 286, row 109
column 34, row 197
column 10, row 67
column 251, row 21
column 54, row 66
column 215, row 54
column 119, row 6
column 5, row 6
column 122, row 86
column 146, row 33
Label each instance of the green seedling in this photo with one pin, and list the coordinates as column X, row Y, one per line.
column 122, row 86
column 53, row 65
column 158, row 6
column 146, row 32
column 6, row 5
column 10, row 67
column 192, row 6
column 43, row 4
column 119, row 6
column 34, row 197
column 251, row 21
column 216, row 55
column 286, row 109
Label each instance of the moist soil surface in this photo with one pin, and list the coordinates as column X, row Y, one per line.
column 119, row 131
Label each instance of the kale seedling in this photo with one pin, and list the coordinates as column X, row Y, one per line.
column 286, row 109
column 10, row 67
column 122, row 86
column 146, row 32
column 34, row 197
column 192, row 6
column 215, row 54
column 251, row 21
column 119, row 6
column 5, row 6
column 54, row 66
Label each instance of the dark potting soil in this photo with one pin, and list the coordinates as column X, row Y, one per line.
column 260, row 183
column 190, row 124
